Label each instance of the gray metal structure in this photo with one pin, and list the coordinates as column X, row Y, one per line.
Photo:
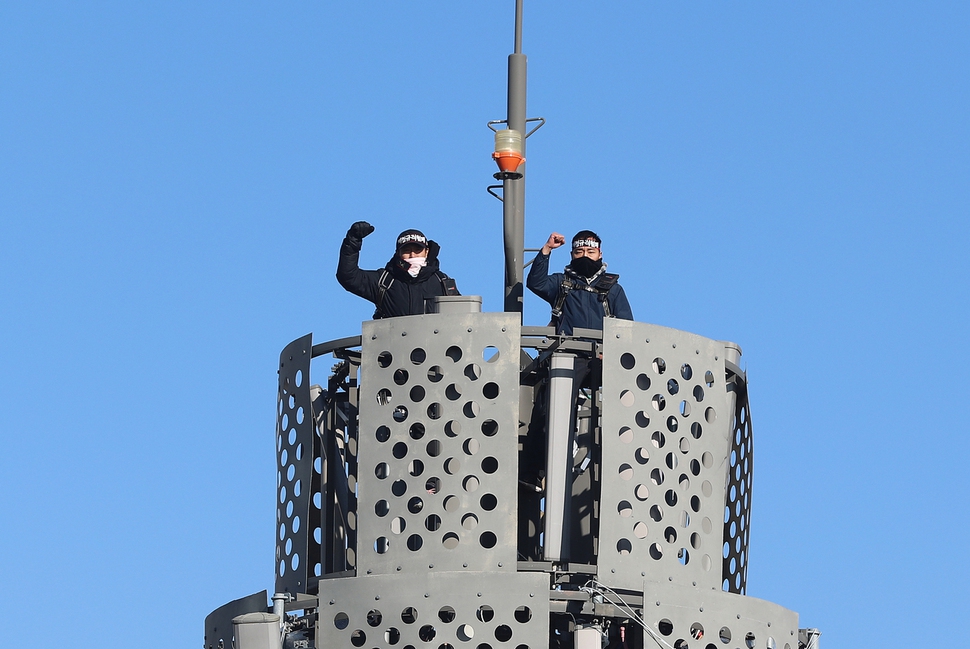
column 458, row 480
column 413, row 489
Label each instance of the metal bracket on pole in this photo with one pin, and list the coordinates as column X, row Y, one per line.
column 541, row 120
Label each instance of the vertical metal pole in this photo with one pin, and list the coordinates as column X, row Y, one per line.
column 559, row 446
column 513, row 191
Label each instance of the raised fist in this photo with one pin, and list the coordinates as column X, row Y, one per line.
column 359, row 230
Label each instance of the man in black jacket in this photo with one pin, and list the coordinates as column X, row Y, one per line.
column 408, row 279
column 583, row 294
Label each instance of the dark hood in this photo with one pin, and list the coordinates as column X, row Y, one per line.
column 398, row 268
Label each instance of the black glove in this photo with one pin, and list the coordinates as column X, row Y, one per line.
column 359, row 230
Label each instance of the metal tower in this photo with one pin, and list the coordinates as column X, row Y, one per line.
column 456, row 481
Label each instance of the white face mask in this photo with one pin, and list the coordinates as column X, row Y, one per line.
column 417, row 263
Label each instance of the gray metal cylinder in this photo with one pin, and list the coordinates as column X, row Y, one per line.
column 257, row 631
column 455, row 304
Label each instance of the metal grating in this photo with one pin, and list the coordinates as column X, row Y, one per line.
column 665, row 442
column 439, row 403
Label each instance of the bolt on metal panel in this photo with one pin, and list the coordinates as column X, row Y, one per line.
column 294, row 456
column 666, row 433
column 439, row 609
column 438, row 443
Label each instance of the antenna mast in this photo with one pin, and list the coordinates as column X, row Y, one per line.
column 513, row 189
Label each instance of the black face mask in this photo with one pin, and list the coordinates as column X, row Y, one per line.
column 585, row 266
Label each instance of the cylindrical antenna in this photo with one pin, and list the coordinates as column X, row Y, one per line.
column 513, row 190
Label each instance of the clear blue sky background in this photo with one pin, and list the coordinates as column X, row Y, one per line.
column 175, row 179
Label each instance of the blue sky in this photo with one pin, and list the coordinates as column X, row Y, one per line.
column 175, row 180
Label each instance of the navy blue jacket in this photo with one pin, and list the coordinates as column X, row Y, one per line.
column 406, row 295
column 581, row 308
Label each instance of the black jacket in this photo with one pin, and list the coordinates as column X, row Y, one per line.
column 406, row 295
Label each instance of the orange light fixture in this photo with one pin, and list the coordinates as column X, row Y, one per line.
column 508, row 151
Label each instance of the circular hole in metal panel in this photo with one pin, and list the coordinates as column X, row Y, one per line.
column 454, row 353
column 641, row 492
column 490, row 465
column 409, row 615
column 640, row 530
column 490, row 390
column 485, row 613
column 624, row 547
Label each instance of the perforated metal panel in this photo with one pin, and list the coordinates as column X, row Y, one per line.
column 684, row 617
column 437, row 448
column 435, row 610
column 737, row 508
column 294, row 455
column 666, row 438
